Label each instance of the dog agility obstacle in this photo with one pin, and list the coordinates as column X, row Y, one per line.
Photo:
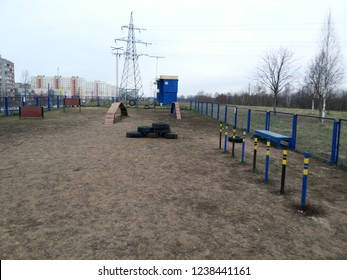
column 111, row 113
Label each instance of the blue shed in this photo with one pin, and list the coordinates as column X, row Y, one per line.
column 167, row 88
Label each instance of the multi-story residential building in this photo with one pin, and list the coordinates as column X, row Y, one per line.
column 71, row 86
column 7, row 84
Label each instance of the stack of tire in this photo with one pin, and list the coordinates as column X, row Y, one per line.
column 156, row 130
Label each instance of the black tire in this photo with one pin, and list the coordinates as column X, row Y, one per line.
column 153, row 135
column 132, row 102
column 162, row 132
column 145, row 129
column 133, row 134
column 170, row 135
column 237, row 139
column 161, row 125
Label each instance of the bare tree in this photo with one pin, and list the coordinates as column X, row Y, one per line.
column 325, row 71
column 25, row 81
column 276, row 72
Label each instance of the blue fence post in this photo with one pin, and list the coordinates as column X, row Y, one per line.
column 207, row 108
column 249, row 115
column 58, row 102
column 190, row 104
column 49, row 103
column 294, row 128
column 235, row 117
column 202, row 107
column 212, row 110
column 267, row 120
column 218, row 110
column 226, row 114
column 304, row 181
column 98, row 101
column 333, row 158
column 23, row 101
column 37, row 101
column 6, row 106
column 112, row 99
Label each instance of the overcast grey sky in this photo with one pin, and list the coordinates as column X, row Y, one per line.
column 211, row 45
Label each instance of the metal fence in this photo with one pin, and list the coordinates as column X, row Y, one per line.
column 323, row 139
column 10, row 105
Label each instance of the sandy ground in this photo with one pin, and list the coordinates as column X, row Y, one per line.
column 74, row 188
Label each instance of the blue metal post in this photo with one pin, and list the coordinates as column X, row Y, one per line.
column 190, row 104
column 117, row 99
column 37, row 101
column 206, row 108
column 225, row 138
column 226, row 114
column 243, row 145
column 98, row 101
column 212, row 110
column 49, row 103
column 112, row 99
column 218, row 110
column 23, row 101
column 267, row 121
column 333, row 158
column 58, row 102
column 304, row 181
column 294, row 128
column 267, row 161
column 249, row 114
column 6, row 106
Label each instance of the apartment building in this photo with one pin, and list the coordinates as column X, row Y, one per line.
column 7, row 83
column 71, row 86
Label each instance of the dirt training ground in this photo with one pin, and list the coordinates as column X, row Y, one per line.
column 74, row 188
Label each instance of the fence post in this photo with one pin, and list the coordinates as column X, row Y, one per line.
column 212, row 110
column 190, row 104
column 255, row 154
column 283, row 176
column 206, row 108
column 226, row 114
column 37, row 101
column 112, row 99
column 6, row 106
column 249, row 114
column 98, row 100
column 49, row 103
column 23, row 101
column 218, row 110
column 58, row 102
column 333, row 158
column 267, row 120
column 294, row 128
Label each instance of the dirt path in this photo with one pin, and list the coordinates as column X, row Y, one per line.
column 74, row 188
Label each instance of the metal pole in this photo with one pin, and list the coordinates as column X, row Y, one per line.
column 304, row 181
column 283, row 177
column 225, row 138
column 243, row 146
column 255, row 154
column 267, row 162
column 220, row 134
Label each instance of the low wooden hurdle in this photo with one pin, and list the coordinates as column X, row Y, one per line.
column 31, row 112
column 72, row 101
column 175, row 110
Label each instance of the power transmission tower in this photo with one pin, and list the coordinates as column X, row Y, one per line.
column 131, row 84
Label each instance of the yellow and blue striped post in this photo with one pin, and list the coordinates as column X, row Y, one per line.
column 233, row 147
column 255, row 154
column 225, row 137
column 267, row 161
column 283, row 177
column 304, row 181
column 243, row 145
column 220, row 134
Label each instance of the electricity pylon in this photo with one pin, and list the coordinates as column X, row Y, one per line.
column 131, row 84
